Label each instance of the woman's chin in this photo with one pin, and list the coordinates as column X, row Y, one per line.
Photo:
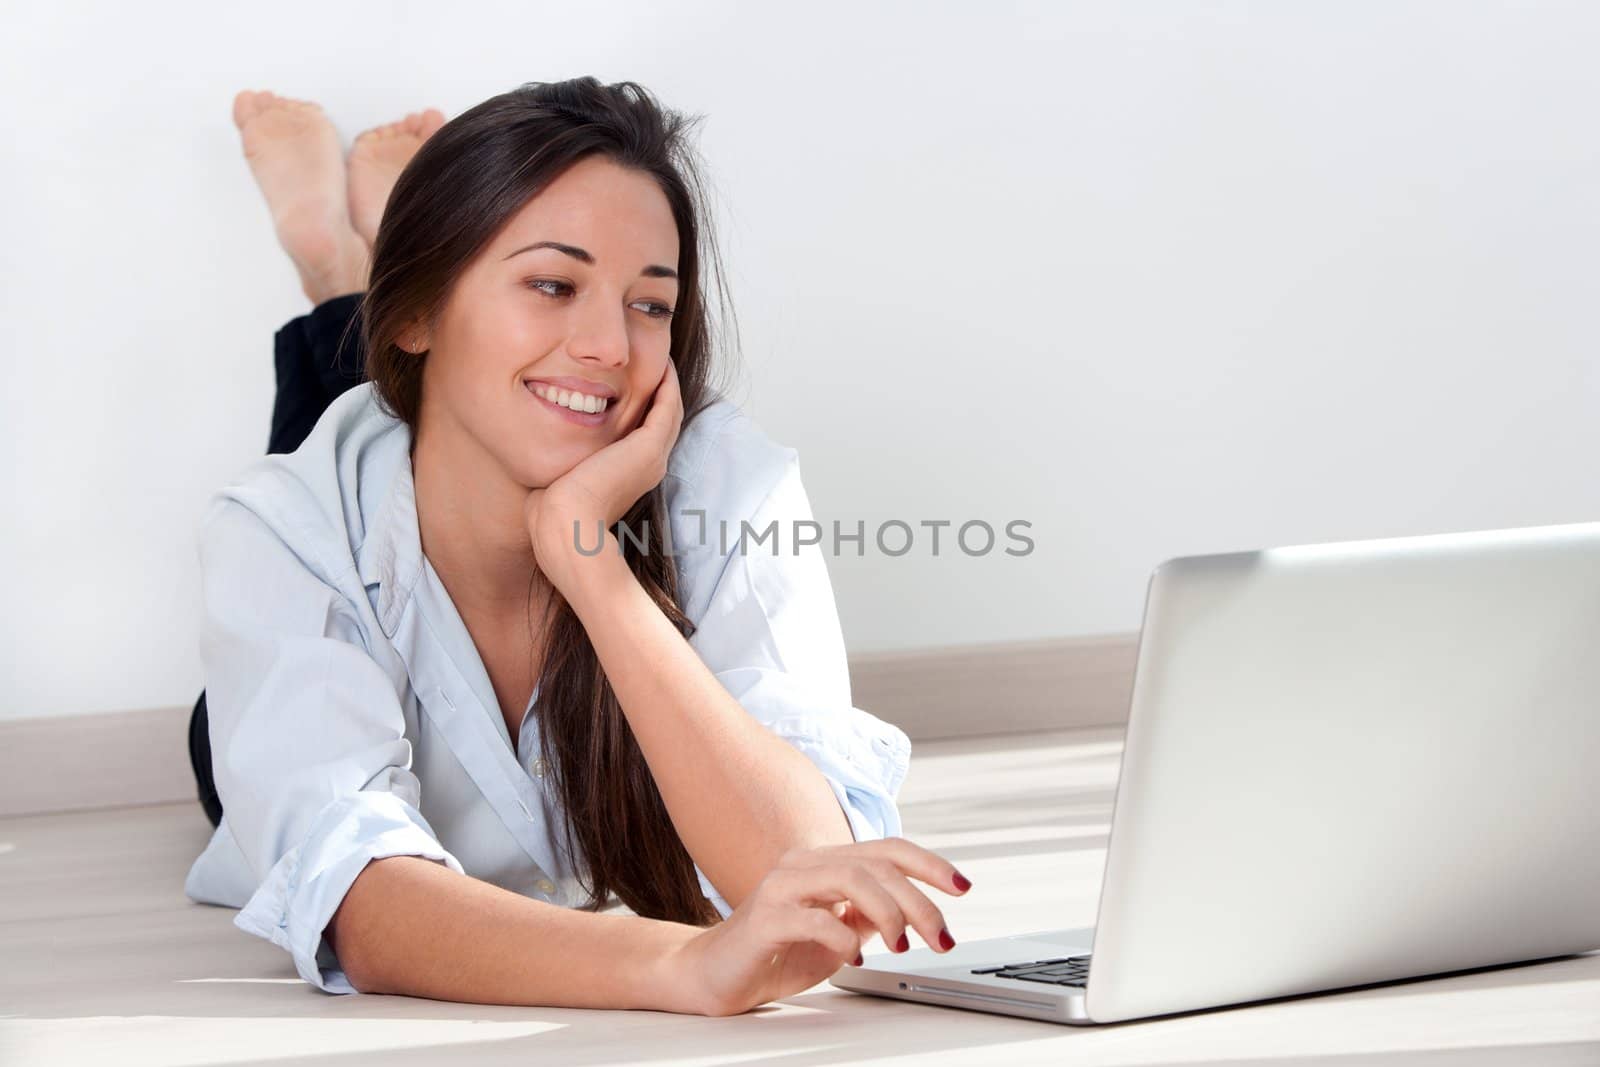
column 546, row 473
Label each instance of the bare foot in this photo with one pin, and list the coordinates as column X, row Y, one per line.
column 376, row 160
column 295, row 155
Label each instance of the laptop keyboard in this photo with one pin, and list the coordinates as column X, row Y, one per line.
column 1067, row 970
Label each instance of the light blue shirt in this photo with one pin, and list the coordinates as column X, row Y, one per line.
column 352, row 717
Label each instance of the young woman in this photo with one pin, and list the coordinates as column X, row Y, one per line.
column 486, row 639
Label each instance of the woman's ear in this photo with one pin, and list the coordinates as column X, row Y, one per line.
column 415, row 338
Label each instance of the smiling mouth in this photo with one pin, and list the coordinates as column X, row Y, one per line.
column 581, row 403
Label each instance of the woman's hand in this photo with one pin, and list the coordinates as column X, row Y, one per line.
column 807, row 918
column 600, row 490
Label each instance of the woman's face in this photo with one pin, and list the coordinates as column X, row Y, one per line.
column 589, row 313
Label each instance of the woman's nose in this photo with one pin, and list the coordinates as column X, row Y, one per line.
column 601, row 339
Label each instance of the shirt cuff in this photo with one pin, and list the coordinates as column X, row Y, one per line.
column 863, row 758
column 864, row 768
column 869, row 810
column 305, row 887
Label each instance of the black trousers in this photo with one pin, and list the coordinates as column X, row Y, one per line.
column 318, row 356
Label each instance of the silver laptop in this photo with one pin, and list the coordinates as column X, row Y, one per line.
column 1345, row 764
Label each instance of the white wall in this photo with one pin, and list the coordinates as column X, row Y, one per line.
column 1159, row 278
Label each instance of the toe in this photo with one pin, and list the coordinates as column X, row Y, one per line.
column 246, row 104
column 367, row 138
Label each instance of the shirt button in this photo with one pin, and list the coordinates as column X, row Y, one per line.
column 539, row 766
column 544, row 885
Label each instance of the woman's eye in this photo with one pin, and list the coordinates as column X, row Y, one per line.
column 538, row 283
column 656, row 311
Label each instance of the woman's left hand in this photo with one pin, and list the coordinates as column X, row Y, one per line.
column 601, row 489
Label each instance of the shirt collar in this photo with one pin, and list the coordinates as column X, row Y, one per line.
column 390, row 557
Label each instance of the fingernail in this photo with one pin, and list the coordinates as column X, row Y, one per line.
column 946, row 942
column 858, row 959
column 961, row 882
column 904, row 944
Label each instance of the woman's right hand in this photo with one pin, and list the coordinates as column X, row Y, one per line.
column 807, row 918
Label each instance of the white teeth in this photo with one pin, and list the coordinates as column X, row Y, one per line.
column 572, row 400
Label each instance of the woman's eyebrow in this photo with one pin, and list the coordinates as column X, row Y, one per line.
column 654, row 270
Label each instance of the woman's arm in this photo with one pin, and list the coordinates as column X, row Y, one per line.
column 739, row 795
column 414, row 927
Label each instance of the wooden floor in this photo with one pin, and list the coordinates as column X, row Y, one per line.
column 103, row 961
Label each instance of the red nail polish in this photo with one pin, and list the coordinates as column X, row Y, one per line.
column 946, row 942
column 904, row 944
column 961, row 882
column 858, row 959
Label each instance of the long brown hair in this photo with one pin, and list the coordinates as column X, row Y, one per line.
column 461, row 187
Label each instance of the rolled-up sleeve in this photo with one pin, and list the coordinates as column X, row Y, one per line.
column 310, row 753
column 769, row 630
